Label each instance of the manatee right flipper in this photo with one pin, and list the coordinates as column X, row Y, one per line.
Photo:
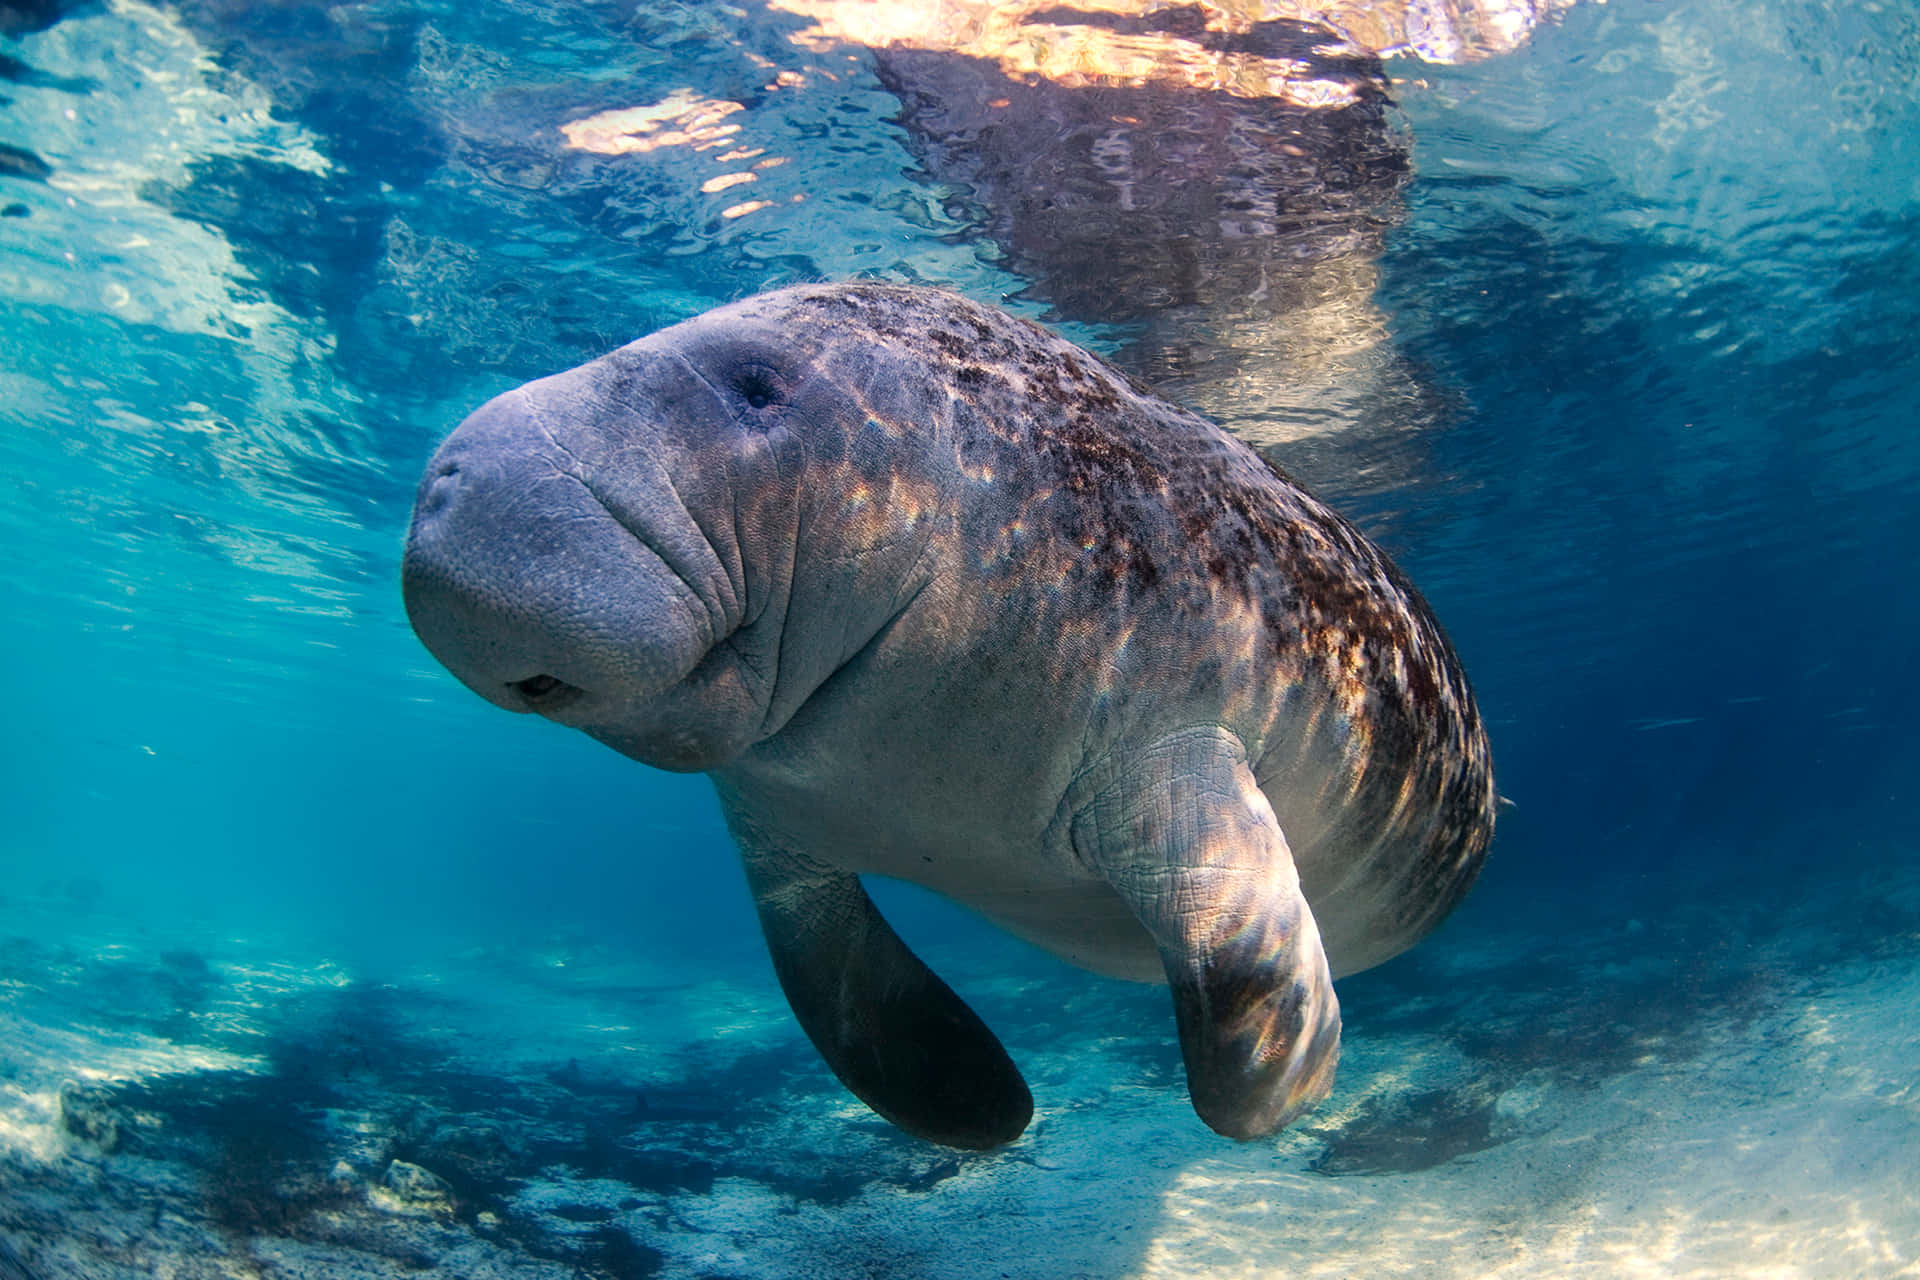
column 895, row 1034
column 1183, row 832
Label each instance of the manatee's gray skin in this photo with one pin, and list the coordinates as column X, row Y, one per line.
column 933, row 594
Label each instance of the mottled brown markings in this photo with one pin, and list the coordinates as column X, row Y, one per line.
column 950, row 344
column 1159, row 505
column 973, row 376
column 1141, row 499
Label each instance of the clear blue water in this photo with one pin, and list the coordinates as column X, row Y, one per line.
column 1656, row 275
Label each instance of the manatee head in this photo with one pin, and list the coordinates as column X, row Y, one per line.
column 672, row 546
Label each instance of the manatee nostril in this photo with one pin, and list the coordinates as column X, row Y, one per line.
column 440, row 487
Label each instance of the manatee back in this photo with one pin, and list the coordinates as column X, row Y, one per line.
column 1154, row 573
column 1217, row 588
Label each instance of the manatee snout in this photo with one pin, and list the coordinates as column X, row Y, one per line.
column 530, row 590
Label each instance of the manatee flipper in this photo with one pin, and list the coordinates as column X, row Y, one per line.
column 1182, row 831
column 895, row 1034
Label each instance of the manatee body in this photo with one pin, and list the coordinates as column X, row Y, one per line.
column 930, row 593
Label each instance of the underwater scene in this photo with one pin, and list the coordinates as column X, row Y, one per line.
column 1598, row 325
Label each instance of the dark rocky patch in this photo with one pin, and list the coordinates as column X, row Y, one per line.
column 268, row 1150
column 934, row 1174
column 603, row 1154
column 613, row 1253
column 88, row 1113
column 582, row 1212
column 1407, row 1133
column 897, row 1161
column 255, row 1139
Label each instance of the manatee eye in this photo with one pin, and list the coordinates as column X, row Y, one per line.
column 759, row 386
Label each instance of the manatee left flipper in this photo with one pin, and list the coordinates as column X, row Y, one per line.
column 1182, row 831
column 895, row 1034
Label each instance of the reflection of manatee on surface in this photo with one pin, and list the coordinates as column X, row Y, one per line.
column 24, row 17
column 17, row 162
column 1216, row 177
column 22, row 162
column 14, row 71
column 933, row 594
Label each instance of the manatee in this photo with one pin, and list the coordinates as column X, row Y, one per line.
column 931, row 593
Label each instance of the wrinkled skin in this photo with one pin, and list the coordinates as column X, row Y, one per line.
column 932, row 594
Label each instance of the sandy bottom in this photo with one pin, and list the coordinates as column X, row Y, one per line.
column 1626, row 1103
